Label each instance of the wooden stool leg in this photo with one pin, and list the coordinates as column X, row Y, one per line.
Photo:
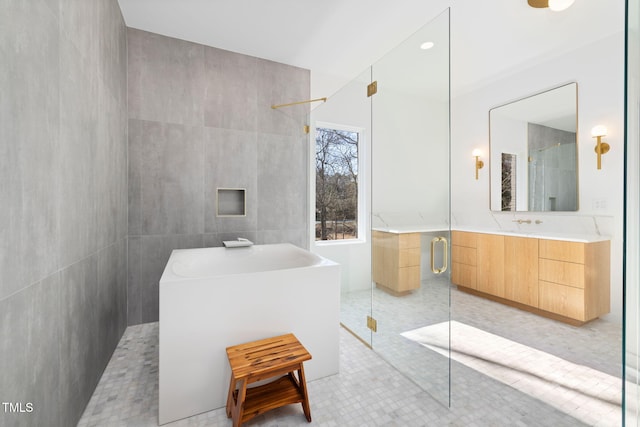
column 303, row 385
column 238, row 410
column 232, row 388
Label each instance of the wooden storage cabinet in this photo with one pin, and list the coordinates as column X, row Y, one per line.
column 396, row 261
column 574, row 278
column 565, row 280
column 521, row 270
column 464, row 259
column 563, row 300
column 491, row 264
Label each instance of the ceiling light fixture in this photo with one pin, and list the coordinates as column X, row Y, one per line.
column 426, row 45
column 555, row 5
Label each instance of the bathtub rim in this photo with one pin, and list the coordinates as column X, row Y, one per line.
column 169, row 276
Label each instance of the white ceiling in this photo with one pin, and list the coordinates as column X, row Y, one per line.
column 337, row 39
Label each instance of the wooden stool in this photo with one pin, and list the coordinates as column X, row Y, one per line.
column 260, row 360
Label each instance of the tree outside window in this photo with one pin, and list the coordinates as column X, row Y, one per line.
column 336, row 184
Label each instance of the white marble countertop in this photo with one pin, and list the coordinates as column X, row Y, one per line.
column 412, row 229
column 549, row 235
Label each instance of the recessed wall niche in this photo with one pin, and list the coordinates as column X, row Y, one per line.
column 231, row 202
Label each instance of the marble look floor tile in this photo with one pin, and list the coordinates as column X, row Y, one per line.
column 374, row 388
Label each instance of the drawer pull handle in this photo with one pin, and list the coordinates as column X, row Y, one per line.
column 442, row 269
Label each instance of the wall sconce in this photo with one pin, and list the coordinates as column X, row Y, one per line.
column 479, row 163
column 601, row 147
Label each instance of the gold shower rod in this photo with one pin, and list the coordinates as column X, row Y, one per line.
column 299, row 102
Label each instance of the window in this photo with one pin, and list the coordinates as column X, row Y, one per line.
column 336, row 184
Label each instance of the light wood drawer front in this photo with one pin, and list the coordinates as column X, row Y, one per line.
column 464, row 275
column 409, row 240
column 562, row 251
column 563, row 300
column 462, row 238
column 409, row 257
column 563, row 273
column 463, row 255
column 408, row 279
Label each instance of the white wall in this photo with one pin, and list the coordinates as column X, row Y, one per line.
column 409, row 160
column 598, row 70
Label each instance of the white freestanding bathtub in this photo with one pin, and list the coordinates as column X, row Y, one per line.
column 212, row 298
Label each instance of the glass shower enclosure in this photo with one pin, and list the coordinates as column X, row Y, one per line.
column 631, row 346
column 395, row 277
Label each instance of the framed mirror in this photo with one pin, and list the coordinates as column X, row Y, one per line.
column 534, row 152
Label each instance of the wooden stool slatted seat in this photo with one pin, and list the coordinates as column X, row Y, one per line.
column 260, row 360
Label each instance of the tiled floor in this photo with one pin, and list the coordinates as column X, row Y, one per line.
column 582, row 392
column 369, row 391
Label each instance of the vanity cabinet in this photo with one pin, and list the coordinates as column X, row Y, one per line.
column 565, row 280
column 521, row 270
column 574, row 278
column 464, row 259
column 396, row 261
column 490, row 252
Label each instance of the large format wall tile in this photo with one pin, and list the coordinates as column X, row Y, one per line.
column 282, row 183
column 79, row 366
column 110, row 301
column 29, row 338
column 230, row 100
column 298, row 237
column 148, row 256
column 78, row 145
column 231, row 159
column 112, row 49
column 29, row 112
column 62, row 140
column 79, row 24
column 282, row 84
column 166, row 178
column 109, row 162
column 43, row 318
column 200, row 118
column 13, row 348
column 212, row 240
column 166, row 78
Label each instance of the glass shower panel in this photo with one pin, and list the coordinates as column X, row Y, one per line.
column 631, row 344
column 340, row 132
column 410, row 207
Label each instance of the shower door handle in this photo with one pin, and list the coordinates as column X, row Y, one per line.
column 445, row 256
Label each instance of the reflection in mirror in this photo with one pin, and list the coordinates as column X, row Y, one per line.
column 533, row 156
column 508, row 182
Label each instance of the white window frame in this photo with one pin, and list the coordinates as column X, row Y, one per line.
column 363, row 184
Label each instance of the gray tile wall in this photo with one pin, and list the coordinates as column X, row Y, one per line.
column 201, row 118
column 63, row 199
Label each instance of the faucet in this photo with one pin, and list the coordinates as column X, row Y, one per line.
column 522, row 221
